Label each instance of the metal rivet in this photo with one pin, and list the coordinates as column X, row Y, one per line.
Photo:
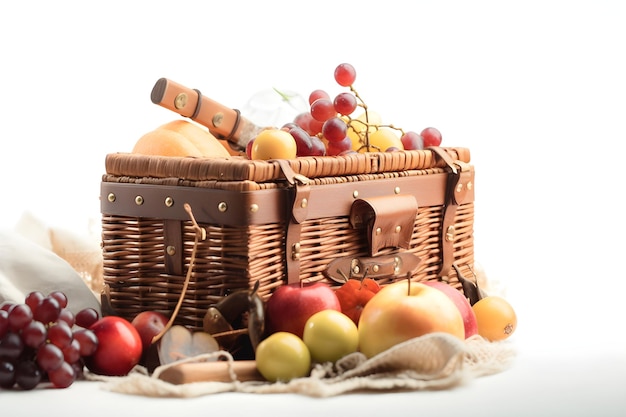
column 139, row 200
column 396, row 190
column 254, row 208
column 375, row 268
column 398, row 228
column 355, row 194
column 378, row 230
column 450, row 233
column 459, row 187
column 169, row 201
column 180, row 101
column 304, row 203
column 469, row 185
column 222, row 206
column 295, row 251
column 217, row 120
column 111, row 197
column 171, row 250
column 356, row 269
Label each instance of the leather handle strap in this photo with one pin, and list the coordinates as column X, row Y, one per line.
column 399, row 265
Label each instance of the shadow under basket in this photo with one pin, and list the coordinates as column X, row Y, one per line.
column 384, row 215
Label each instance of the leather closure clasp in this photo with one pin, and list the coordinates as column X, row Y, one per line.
column 388, row 220
column 394, row 266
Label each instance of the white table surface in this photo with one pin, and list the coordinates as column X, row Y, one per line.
column 574, row 382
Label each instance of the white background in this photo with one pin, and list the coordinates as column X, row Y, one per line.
column 536, row 90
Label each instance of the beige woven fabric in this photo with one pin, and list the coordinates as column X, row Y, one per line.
column 432, row 362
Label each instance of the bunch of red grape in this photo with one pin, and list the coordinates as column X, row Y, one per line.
column 42, row 340
column 327, row 128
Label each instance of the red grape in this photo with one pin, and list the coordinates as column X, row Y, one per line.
column 412, row 141
column 345, row 75
column 87, row 341
column 334, row 129
column 339, row 147
column 7, row 374
column 67, row 316
column 34, row 334
column 63, row 376
column 345, row 103
column 71, row 353
column 60, row 334
column 315, row 94
column 60, row 297
column 303, row 141
column 27, row 375
column 11, row 346
column 432, row 137
column 315, row 127
column 33, row 299
column 86, row 317
column 49, row 357
column 20, row 316
column 323, row 109
column 317, row 147
column 48, row 311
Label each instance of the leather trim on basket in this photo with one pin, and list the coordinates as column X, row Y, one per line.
column 241, row 208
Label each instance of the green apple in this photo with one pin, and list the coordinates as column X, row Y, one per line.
column 283, row 356
column 330, row 335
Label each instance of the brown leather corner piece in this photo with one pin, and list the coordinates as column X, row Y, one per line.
column 388, row 220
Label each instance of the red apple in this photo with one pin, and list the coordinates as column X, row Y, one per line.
column 291, row 305
column 462, row 303
column 119, row 347
column 403, row 311
column 148, row 325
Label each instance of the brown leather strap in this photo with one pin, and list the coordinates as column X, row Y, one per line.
column 173, row 247
column 459, row 188
column 388, row 220
column 299, row 211
column 394, row 266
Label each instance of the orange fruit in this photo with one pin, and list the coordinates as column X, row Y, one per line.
column 496, row 318
column 180, row 138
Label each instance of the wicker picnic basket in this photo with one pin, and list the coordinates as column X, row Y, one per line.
column 384, row 215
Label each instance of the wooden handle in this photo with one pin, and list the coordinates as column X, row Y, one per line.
column 211, row 371
column 222, row 121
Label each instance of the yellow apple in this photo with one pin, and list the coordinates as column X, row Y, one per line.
column 403, row 311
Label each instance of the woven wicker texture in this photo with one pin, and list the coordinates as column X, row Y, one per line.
column 231, row 257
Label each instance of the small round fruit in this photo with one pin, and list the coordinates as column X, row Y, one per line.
column 330, row 335
column 119, row 347
column 149, row 324
column 495, row 317
column 383, row 139
column 431, row 137
column 283, row 356
column 274, row 144
column 345, row 74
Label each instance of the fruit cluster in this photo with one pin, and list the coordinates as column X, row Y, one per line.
column 42, row 340
column 331, row 127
